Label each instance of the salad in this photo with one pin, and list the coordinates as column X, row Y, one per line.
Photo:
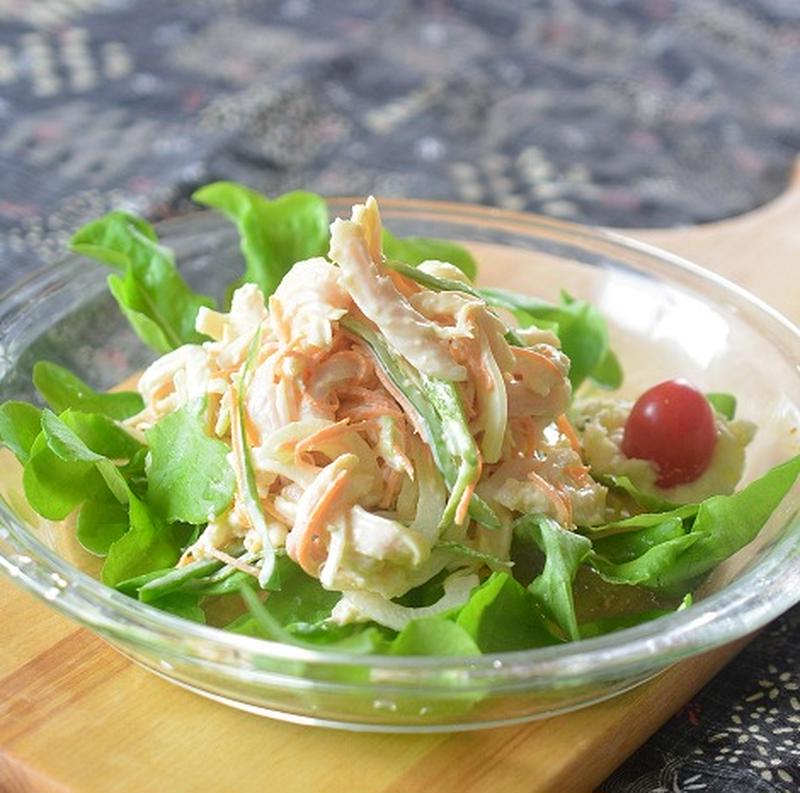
column 363, row 451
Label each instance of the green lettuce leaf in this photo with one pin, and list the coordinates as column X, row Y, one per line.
column 415, row 250
column 607, row 373
column 355, row 638
column 274, row 234
column 433, row 636
column 725, row 524
column 644, row 500
column 182, row 604
column 652, row 567
column 301, row 598
column 20, row 425
column 641, row 521
column 631, row 545
column 71, row 461
column 149, row 544
column 72, row 464
column 101, row 522
column 73, row 438
column 150, row 291
column 261, row 623
column 53, row 487
column 76, row 435
column 672, row 549
column 502, row 615
column 564, row 552
column 64, row 390
column 189, row 477
column 724, row 404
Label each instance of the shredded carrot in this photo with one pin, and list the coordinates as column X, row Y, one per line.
column 392, row 487
column 405, row 286
column 369, row 396
column 567, row 430
column 468, row 353
column 367, row 412
column 309, row 552
column 463, row 505
column 531, row 434
column 523, row 353
column 163, row 390
column 562, row 506
column 579, row 473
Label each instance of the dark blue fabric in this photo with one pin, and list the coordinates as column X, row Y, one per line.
column 620, row 112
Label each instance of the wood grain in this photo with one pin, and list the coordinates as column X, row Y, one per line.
column 77, row 716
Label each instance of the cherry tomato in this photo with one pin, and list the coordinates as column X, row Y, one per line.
column 672, row 425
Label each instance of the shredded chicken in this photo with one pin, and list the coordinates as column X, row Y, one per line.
column 349, row 474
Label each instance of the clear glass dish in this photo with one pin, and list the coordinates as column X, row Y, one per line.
column 667, row 318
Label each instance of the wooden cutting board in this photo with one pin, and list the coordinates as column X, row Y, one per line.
column 77, row 716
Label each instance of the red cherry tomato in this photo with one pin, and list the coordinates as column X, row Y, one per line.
column 672, row 425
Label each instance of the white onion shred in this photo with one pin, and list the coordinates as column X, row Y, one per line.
column 365, row 606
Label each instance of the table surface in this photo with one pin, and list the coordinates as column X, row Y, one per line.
column 633, row 114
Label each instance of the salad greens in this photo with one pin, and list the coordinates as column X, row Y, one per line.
column 675, row 547
column 141, row 499
column 20, row 425
column 63, row 471
column 189, row 475
column 724, row 404
column 101, row 522
column 415, row 250
column 274, row 234
column 62, row 390
column 564, row 552
column 501, row 615
column 645, row 500
column 150, row 542
column 147, row 286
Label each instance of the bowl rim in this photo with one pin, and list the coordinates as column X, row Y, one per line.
column 669, row 638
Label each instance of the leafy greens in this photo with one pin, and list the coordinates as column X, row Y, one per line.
column 140, row 505
column 274, row 234
column 147, row 286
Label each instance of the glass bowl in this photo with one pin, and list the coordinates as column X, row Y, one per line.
column 667, row 318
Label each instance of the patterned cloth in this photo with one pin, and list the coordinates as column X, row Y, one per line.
column 621, row 112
